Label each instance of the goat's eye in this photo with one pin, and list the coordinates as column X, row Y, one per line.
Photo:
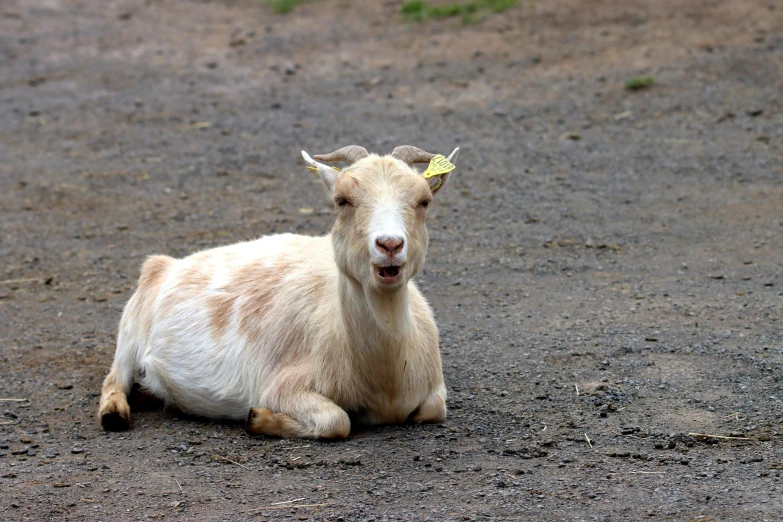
column 342, row 202
column 425, row 203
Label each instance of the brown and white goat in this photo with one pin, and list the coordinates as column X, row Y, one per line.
column 299, row 330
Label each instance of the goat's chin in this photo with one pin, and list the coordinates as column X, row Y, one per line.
column 388, row 288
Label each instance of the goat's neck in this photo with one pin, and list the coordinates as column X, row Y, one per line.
column 374, row 318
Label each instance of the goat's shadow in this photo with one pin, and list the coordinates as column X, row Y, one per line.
column 148, row 410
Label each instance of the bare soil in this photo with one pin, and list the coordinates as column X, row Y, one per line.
column 605, row 265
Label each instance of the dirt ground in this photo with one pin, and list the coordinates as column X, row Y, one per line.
column 605, row 265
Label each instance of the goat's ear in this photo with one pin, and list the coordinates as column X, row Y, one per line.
column 436, row 182
column 328, row 175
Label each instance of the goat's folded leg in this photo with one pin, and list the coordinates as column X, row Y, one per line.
column 433, row 409
column 306, row 415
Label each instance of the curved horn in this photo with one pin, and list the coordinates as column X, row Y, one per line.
column 350, row 153
column 410, row 154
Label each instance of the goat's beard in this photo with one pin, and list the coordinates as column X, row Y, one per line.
column 390, row 309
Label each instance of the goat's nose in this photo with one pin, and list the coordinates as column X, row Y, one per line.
column 389, row 246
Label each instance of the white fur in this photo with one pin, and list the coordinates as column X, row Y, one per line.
column 387, row 223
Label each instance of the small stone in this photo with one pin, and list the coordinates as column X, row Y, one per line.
column 77, row 451
column 573, row 136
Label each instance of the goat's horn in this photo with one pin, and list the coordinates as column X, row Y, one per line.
column 350, row 153
column 410, row 154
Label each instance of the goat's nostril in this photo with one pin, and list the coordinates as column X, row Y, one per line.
column 389, row 245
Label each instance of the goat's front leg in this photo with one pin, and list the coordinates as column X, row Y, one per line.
column 304, row 414
column 433, row 409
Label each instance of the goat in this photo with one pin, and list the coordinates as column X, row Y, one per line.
column 300, row 331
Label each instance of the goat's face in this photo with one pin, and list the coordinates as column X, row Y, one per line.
column 380, row 236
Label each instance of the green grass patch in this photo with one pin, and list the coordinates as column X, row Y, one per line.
column 637, row 83
column 471, row 12
column 284, row 6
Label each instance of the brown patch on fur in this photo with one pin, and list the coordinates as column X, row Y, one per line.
column 152, row 272
column 219, row 307
column 258, row 286
column 255, row 295
column 254, row 287
column 195, row 277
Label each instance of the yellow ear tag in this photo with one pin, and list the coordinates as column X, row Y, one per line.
column 438, row 166
column 314, row 170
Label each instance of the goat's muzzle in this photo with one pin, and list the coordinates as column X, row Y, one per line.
column 389, row 258
column 389, row 246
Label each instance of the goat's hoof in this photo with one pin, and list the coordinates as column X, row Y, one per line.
column 254, row 417
column 113, row 421
column 114, row 411
column 251, row 416
column 262, row 421
column 250, row 422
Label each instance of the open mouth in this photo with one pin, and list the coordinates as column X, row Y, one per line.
column 388, row 274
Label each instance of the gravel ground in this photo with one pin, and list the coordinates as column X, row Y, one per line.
column 605, row 264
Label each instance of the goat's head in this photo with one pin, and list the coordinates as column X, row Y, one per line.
column 380, row 236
